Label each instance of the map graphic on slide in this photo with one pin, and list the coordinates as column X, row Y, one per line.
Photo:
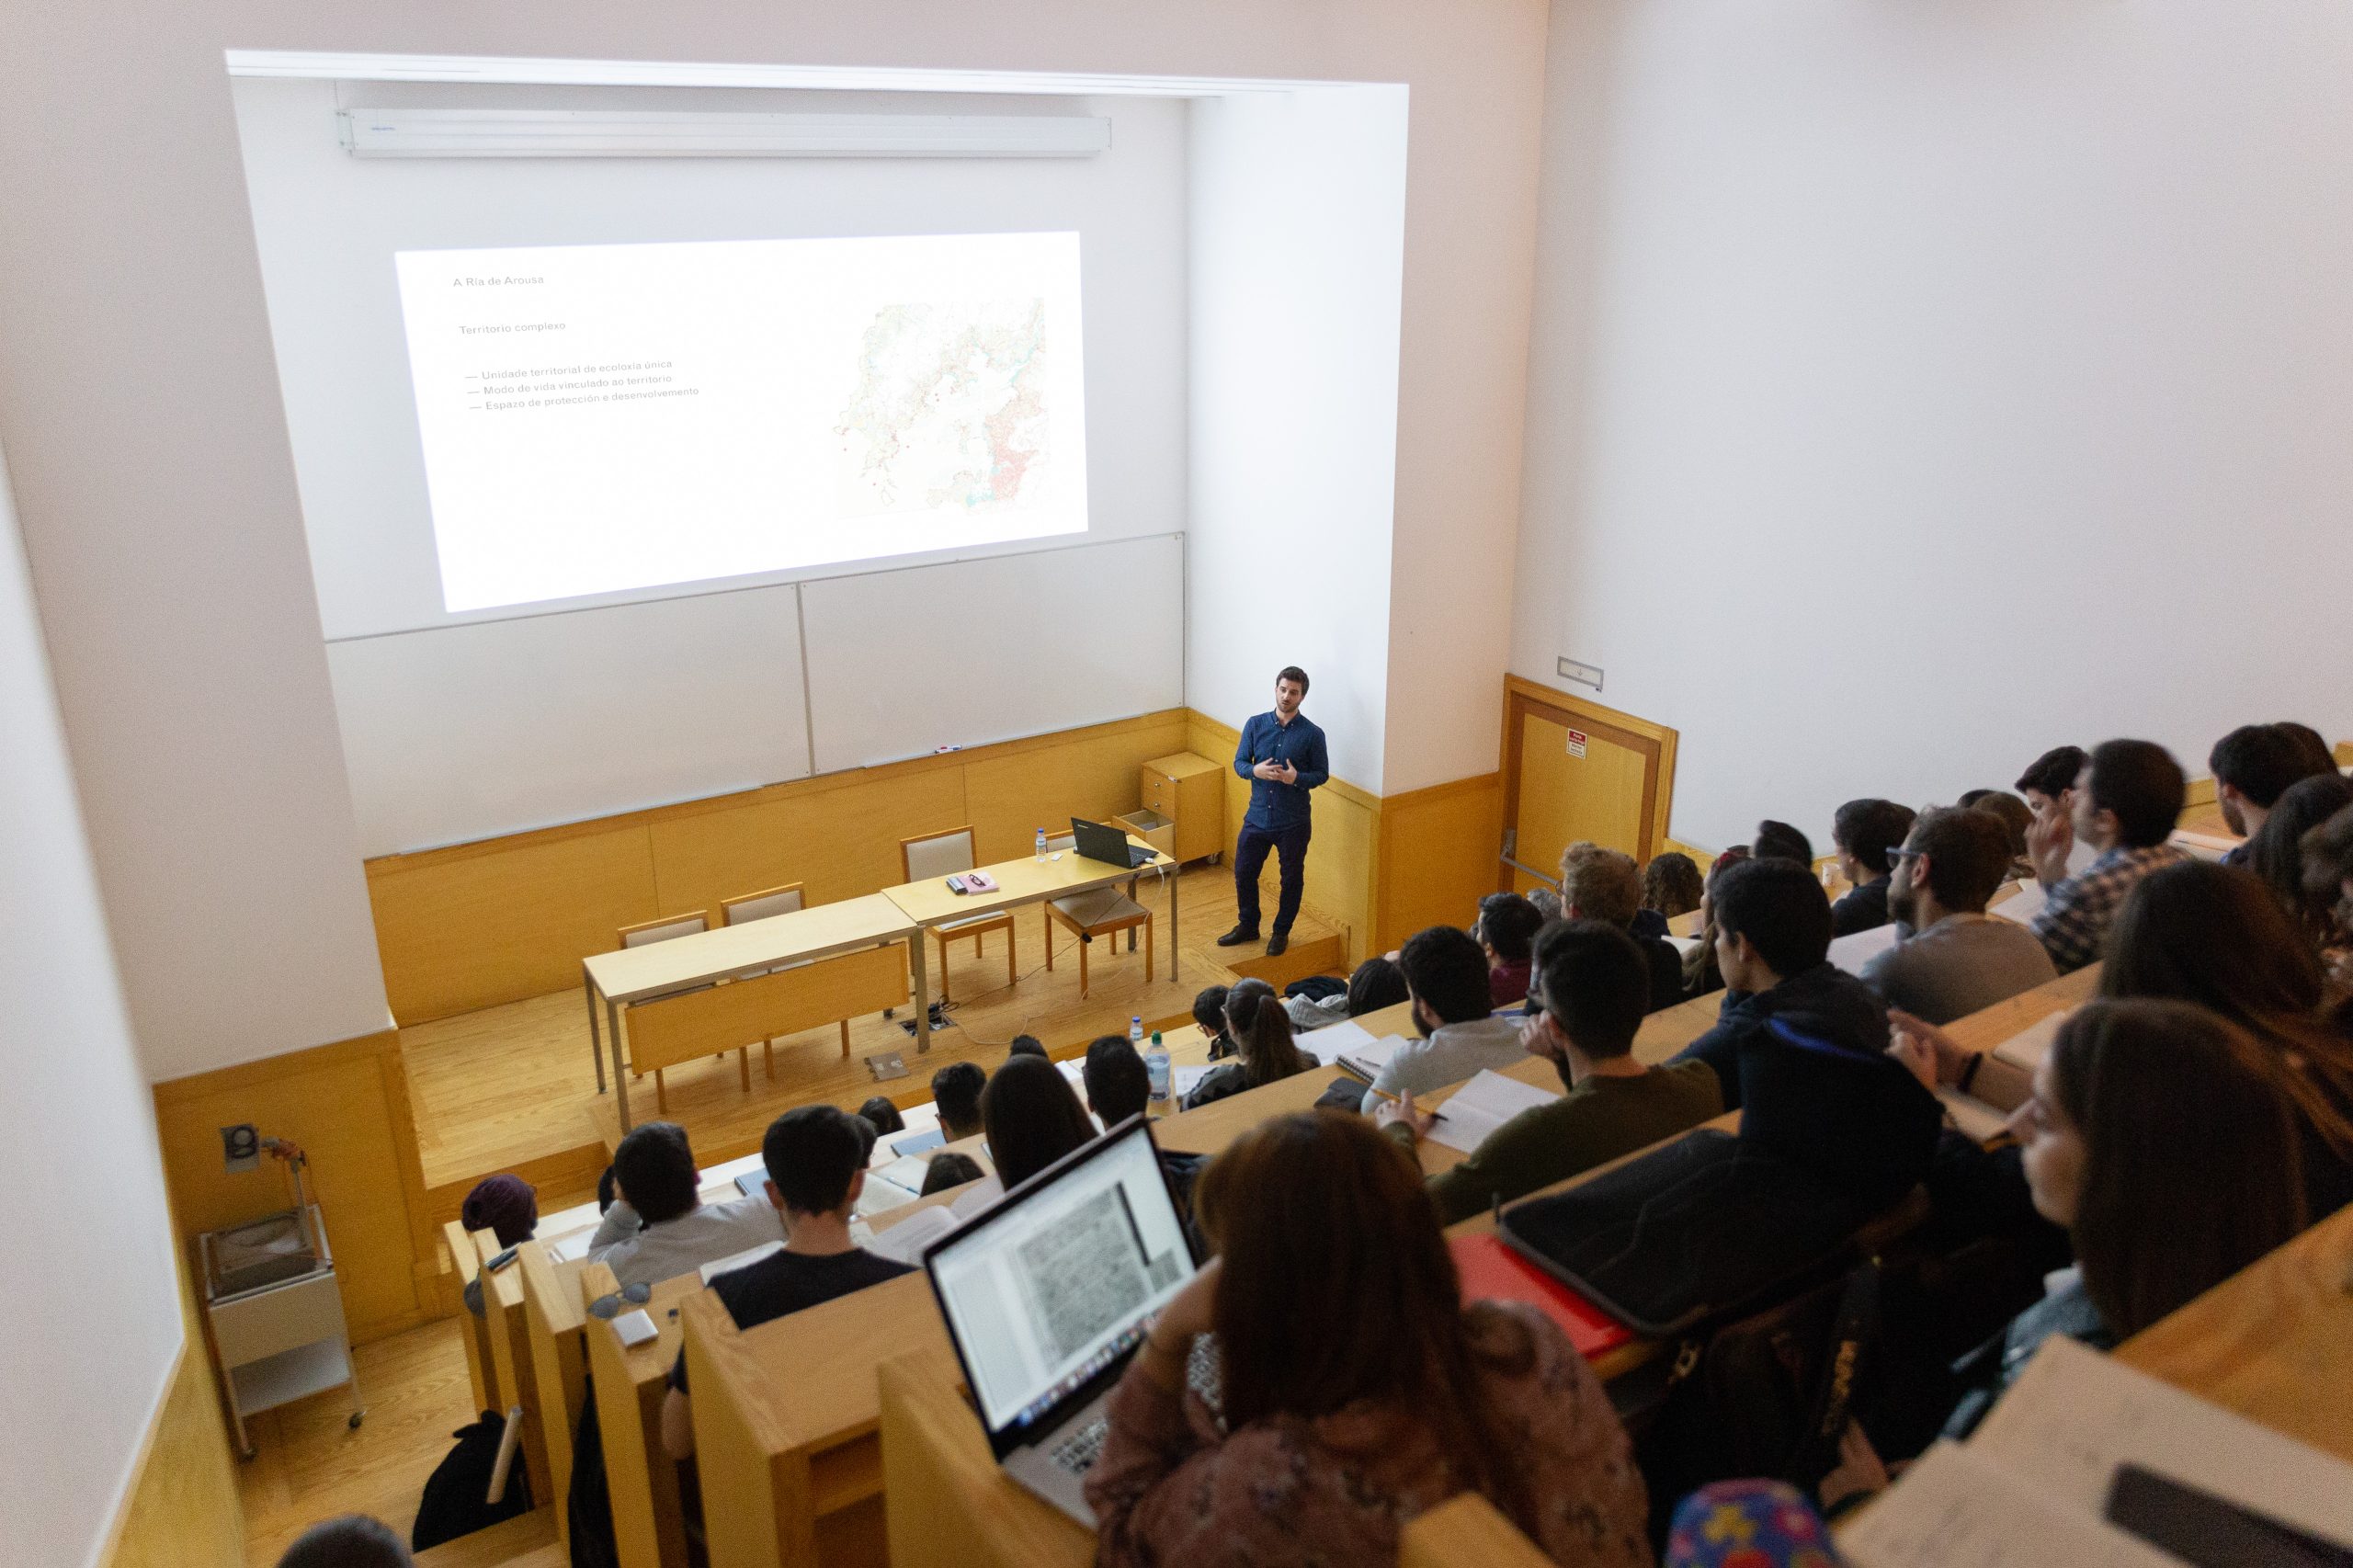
column 949, row 409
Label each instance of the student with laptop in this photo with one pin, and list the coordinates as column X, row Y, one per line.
column 659, row 1227
column 2123, row 805
column 815, row 1170
column 1445, row 975
column 1357, row 1390
column 1592, row 985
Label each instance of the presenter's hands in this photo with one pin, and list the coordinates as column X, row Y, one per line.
column 1286, row 773
column 1267, row 772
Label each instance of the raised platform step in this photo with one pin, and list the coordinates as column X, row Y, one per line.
column 527, row 1541
column 1311, row 951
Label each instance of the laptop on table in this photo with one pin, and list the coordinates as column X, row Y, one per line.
column 1047, row 1296
column 1093, row 841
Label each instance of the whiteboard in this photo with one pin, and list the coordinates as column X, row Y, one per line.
column 902, row 663
column 462, row 733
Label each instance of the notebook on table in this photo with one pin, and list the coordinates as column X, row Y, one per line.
column 1491, row 1271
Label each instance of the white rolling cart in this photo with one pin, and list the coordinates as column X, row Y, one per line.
column 276, row 1311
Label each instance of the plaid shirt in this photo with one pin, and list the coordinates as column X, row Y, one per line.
column 2074, row 920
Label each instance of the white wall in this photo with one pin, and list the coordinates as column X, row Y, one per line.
column 327, row 225
column 1918, row 386
column 1298, row 228
column 87, row 1372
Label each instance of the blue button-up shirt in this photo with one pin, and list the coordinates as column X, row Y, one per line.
column 1275, row 806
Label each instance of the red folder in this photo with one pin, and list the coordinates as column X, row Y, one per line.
column 1491, row 1271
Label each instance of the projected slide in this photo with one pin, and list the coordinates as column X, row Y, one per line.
column 601, row 418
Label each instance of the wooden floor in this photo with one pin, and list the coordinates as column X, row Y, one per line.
column 310, row 1465
column 511, row 1088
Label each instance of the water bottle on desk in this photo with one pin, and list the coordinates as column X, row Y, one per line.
column 1155, row 1061
column 1042, row 846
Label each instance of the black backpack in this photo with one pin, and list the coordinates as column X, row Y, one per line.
column 452, row 1505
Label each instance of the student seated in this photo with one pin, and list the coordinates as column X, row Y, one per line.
column 1358, row 1391
column 956, row 1095
column 948, row 1169
column 1602, row 884
column 505, row 1205
column 1506, row 931
column 881, row 1115
column 1547, row 900
column 2154, row 1135
column 1118, row 1085
column 815, row 1176
column 2046, row 782
column 355, row 1541
column 1593, row 985
column 1209, row 1017
column 1957, row 958
column 1260, row 1030
column 1701, row 975
column 2253, row 766
column 1779, row 841
column 2328, row 874
column 1772, row 925
column 1027, row 1045
column 2276, row 854
column 1862, row 832
column 659, row 1227
column 2014, row 816
column 1376, row 984
column 1445, row 976
column 1032, row 1118
column 1671, row 884
column 2124, row 804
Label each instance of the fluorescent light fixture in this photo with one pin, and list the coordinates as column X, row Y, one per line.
column 613, row 133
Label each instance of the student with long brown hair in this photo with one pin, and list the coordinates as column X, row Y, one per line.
column 1357, row 1390
column 2158, row 1136
column 1261, row 1032
column 2276, row 853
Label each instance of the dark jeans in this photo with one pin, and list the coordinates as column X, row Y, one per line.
column 1250, row 858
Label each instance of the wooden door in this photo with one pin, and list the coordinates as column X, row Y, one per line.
column 1575, row 771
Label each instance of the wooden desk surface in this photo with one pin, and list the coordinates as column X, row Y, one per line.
column 2269, row 1342
column 1985, row 1029
column 634, row 973
column 1025, row 880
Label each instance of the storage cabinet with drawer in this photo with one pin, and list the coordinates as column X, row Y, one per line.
column 1183, row 810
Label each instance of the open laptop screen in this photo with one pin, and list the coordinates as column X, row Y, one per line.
column 1050, row 1287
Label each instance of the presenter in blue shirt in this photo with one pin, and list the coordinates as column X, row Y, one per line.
column 1282, row 756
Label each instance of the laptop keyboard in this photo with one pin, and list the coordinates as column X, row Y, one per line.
column 1078, row 1453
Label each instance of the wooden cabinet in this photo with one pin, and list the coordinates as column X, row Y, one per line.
column 1183, row 810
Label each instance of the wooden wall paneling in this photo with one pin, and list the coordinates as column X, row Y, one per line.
column 1011, row 791
column 1438, row 856
column 181, row 1508
column 838, row 836
column 337, row 1101
column 473, row 926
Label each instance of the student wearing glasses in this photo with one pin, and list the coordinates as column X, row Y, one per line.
column 1957, row 958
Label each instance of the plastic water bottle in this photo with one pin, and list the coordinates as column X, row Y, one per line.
column 1042, row 846
column 1135, row 1032
column 1155, row 1061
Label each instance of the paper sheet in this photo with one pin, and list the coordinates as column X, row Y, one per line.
column 1480, row 1105
column 1974, row 1118
column 1957, row 1508
column 571, row 1247
column 905, row 1241
column 737, row 1260
column 1326, row 1043
column 2026, row 1047
column 2206, row 846
column 2022, row 905
column 1851, row 953
column 1183, row 1081
column 2074, row 1416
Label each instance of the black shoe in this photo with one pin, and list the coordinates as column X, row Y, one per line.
column 1277, row 943
column 1238, row 936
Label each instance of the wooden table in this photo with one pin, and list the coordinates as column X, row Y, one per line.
column 551, row 1319
column 649, row 1528
column 932, row 902
column 744, row 955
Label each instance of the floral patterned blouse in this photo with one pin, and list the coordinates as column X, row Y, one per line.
column 1293, row 1492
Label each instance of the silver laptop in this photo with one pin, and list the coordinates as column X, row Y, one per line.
column 1047, row 1296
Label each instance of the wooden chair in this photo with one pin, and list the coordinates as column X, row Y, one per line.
column 760, row 905
column 936, row 855
column 1103, row 912
column 668, row 928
